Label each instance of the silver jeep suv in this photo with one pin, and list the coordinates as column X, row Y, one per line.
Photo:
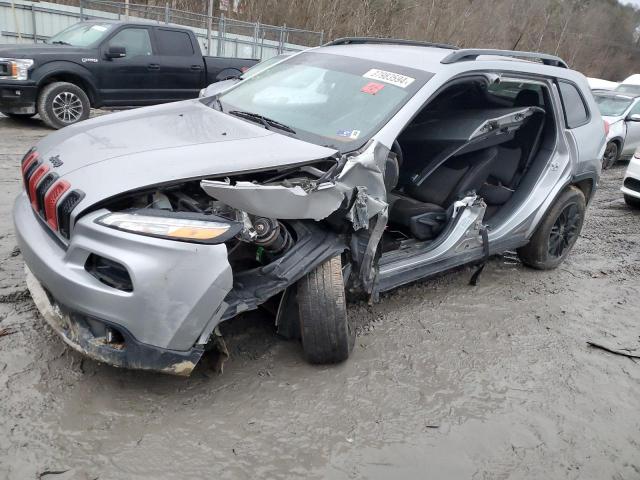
column 348, row 169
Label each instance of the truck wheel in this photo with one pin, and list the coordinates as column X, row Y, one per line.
column 327, row 334
column 61, row 104
column 557, row 233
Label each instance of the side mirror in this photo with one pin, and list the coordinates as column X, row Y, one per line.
column 634, row 118
column 116, row 52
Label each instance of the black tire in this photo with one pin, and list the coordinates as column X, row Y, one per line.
column 328, row 336
column 61, row 104
column 557, row 233
column 633, row 202
column 611, row 155
column 19, row 116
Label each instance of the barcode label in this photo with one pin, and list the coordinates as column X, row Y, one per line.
column 396, row 79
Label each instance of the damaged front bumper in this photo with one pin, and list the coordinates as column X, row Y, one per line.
column 176, row 301
column 75, row 331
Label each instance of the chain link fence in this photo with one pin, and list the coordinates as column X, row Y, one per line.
column 220, row 35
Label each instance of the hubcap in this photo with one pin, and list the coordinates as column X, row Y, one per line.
column 564, row 231
column 67, row 107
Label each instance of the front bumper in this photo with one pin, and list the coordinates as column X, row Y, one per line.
column 18, row 97
column 631, row 182
column 177, row 298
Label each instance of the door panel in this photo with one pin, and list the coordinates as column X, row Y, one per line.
column 183, row 73
column 632, row 139
column 129, row 80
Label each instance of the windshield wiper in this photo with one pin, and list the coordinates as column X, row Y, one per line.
column 60, row 42
column 267, row 122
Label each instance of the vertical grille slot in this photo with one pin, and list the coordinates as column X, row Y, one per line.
column 41, row 190
column 65, row 207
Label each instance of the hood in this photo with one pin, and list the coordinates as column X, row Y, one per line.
column 125, row 151
column 31, row 50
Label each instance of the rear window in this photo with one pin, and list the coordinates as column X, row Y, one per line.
column 575, row 111
column 174, row 43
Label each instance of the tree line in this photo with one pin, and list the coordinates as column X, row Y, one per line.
column 597, row 37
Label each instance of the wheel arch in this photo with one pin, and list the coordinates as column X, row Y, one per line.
column 70, row 73
column 586, row 183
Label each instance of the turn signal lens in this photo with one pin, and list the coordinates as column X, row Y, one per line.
column 165, row 227
column 606, row 127
column 51, row 198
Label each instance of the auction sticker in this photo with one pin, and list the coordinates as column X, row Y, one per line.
column 392, row 78
column 352, row 134
column 372, row 88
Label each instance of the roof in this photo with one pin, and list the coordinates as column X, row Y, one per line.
column 431, row 57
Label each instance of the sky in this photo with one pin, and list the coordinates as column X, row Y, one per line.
column 632, row 2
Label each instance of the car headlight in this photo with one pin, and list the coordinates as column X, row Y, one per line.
column 202, row 91
column 165, row 225
column 17, row 68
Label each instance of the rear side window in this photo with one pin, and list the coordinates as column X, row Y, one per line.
column 174, row 43
column 575, row 111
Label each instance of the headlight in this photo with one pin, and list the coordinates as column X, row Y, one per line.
column 17, row 68
column 201, row 94
column 171, row 227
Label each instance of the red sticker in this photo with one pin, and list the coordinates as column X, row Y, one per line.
column 372, row 88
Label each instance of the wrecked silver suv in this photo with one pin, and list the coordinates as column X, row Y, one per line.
column 354, row 167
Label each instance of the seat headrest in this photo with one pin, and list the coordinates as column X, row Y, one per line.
column 527, row 98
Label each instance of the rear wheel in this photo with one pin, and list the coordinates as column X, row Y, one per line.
column 633, row 202
column 610, row 156
column 557, row 233
column 61, row 104
column 328, row 336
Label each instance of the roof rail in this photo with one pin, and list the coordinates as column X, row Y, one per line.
column 390, row 41
column 474, row 53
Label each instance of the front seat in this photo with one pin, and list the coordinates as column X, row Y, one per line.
column 423, row 207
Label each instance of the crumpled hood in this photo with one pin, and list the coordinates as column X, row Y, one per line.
column 129, row 150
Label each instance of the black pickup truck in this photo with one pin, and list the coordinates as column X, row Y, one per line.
column 106, row 64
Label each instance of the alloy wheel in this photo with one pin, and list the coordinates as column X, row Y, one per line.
column 67, row 107
column 564, row 231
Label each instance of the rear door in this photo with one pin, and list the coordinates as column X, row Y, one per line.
column 182, row 67
column 128, row 80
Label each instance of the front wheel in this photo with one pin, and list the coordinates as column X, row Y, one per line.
column 557, row 233
column 328, row 336
column 62, row 103
column 611, row 154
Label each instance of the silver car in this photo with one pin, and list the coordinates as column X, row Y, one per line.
column 347, row 170
column 622, row 114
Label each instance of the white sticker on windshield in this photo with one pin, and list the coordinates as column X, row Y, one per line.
column 100, row 28
column 396, row 79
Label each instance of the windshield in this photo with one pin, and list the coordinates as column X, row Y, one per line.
column 628, row 88
column 259, row 67
column 81, row 34
column 612, row 106
column 327, row 99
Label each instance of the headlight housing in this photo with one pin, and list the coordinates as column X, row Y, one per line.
column 16, row 68
column 173, row 226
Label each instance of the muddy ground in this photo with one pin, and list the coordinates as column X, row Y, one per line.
column 447, row 381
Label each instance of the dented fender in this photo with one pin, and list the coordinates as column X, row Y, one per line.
column 361, row 178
